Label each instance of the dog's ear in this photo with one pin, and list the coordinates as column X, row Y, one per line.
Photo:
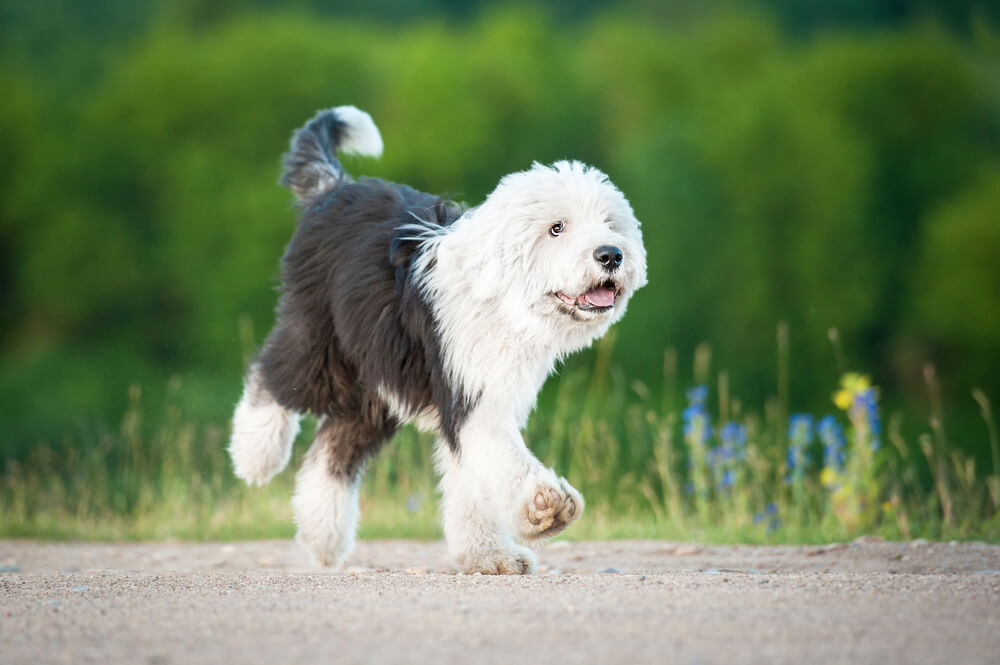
column 402, row 247
column 430, row 222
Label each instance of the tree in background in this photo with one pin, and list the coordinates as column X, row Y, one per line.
column 839, row 180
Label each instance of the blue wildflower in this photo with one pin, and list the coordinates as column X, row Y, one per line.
column 689, row 415
column 832, row 436
column 728, row 453
column 863, row 407
column 697, row 395
column 695, row 416
column 800, row 435
column 800, row 428
column 867, row 404
column 728, row 478
column 734, row 436
column 770, row 515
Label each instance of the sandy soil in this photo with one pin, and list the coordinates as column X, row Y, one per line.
column 615, row 602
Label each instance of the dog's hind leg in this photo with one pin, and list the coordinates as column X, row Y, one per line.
column 263, row 433
column 326, row 488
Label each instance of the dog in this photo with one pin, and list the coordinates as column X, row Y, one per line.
column 401, row 307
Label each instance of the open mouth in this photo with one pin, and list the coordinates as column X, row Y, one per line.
column 600, row 298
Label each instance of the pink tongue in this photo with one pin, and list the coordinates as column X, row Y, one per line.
column 600, row 297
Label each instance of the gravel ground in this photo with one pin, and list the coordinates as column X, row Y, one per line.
column 612, row 602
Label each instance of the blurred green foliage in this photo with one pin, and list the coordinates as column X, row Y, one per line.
column 830, row 169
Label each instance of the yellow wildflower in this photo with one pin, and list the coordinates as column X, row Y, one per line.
column 851, row 385
column 828, row 477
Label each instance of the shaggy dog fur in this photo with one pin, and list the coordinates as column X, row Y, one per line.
column 399, row 306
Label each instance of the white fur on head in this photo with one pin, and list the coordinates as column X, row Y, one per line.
column 497, row 269
column 361, row 136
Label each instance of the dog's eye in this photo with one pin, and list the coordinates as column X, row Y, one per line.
column 556, row 229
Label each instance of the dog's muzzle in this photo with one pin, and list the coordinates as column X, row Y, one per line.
column 599, row 298
column 609, row 256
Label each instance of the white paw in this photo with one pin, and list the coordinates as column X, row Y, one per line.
column 326, row 509
column 509, row 560
column 549, row 508
column 325, row 551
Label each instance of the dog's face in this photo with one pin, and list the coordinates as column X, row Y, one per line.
column 561, row 246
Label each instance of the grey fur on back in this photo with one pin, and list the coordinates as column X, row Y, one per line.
column 351, row 321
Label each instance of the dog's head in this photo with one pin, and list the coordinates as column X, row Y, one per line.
column 557, row 246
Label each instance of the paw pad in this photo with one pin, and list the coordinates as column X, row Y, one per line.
column 551, row 510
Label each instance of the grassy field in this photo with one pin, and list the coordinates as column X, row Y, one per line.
column 714, row 471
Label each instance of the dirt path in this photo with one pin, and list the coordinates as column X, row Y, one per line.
column 615, row 602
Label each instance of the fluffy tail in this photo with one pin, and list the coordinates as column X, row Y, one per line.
column 311, row 165
column 263, row 433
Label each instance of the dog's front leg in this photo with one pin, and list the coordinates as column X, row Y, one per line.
column 496, row 490
column 477, row 542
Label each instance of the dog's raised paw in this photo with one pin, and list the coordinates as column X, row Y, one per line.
column 550, row 510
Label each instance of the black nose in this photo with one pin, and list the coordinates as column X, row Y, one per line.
column 608, row 256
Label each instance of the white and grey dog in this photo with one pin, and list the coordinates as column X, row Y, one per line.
column 399, row 306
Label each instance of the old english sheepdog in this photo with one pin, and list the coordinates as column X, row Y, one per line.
column 401, row 307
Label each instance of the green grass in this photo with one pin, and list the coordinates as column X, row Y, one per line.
column 713, row 472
